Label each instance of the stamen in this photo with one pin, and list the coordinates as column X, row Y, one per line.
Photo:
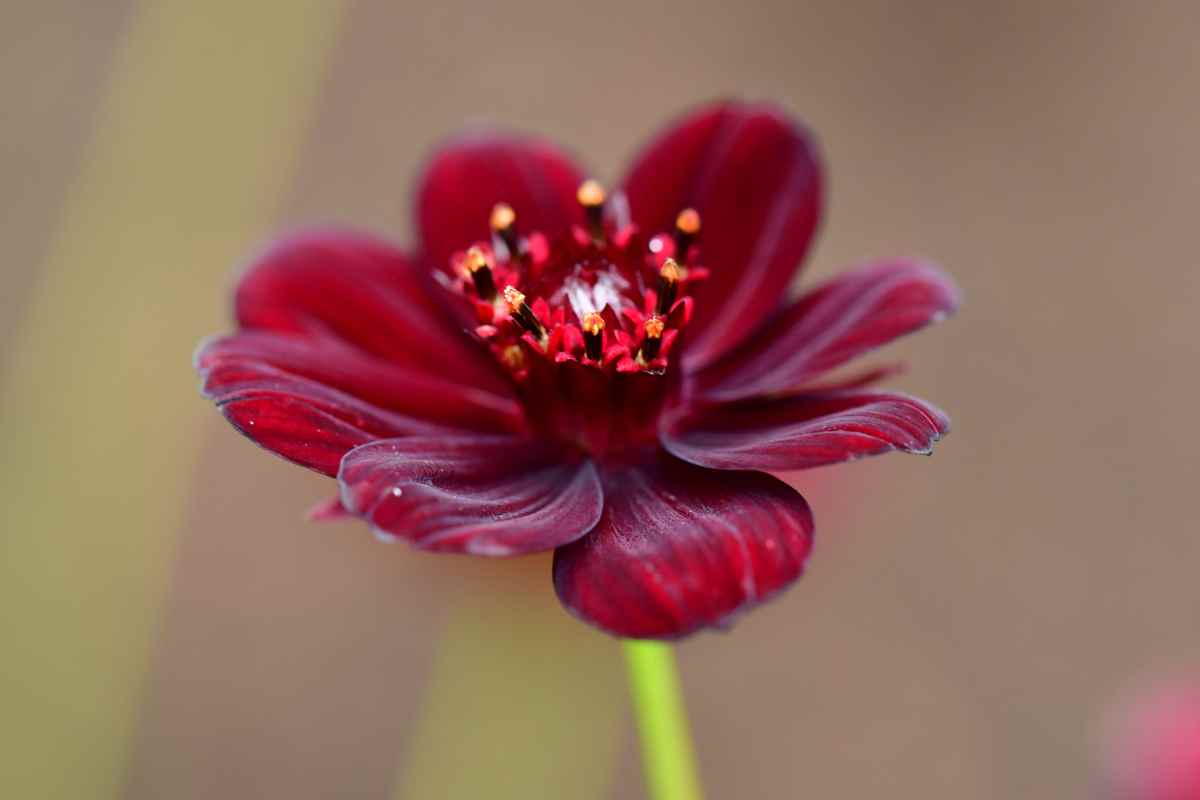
column 593, row 335
column 504, row 225
column 668, row 286
column 687, row 227
column 481, row 274
column 653, row 341
column 513, row 357
column 522, row 313
column 591, row 196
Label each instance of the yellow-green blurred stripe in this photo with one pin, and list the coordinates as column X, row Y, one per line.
column 525, row 703
column 205, row 111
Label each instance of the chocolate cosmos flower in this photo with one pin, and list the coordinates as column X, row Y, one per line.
column 608, row 376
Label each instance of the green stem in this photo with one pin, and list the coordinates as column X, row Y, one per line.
column 667, row 760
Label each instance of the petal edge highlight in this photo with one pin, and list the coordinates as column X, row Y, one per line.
column 484, row 495
column 304, row 421
column 804, row 431
column 830, row 325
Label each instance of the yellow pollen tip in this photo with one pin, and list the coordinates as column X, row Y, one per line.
column 513, row 357
column 514, row 298
column 688, row 221
column 654, row 327
column 502, row 217
column 475, row 260
column 670, row 270
column 590, row 194
column 593, row 323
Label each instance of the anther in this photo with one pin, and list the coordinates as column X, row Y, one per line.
column 481, row 274
column 593, row 335
column 591, row 196
column 513, row 357
column 687, row 227
column 653, row 340
column 668, row 286
column 504, row 225
column 522, row 313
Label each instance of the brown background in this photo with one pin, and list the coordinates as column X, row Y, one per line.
column 966, row 619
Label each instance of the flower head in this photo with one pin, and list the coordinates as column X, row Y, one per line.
column 1153, row 745
column 606, row 373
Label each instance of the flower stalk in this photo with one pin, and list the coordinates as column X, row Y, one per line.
column 668, row 761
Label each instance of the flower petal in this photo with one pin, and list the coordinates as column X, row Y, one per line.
column 330, row 510
column 394, row 387
column 302, row 420
column 830, row 325
column 1151, row 743
column 681, row 548
column 361, row 291
column 471, row 173
column 806, row 430
column 754, row 175
column 485, row 495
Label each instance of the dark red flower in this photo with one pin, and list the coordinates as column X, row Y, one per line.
column 607, row 376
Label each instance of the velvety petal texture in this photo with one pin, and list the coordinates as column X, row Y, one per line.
column 680, row 548
column 807, row 430
column 484, row 495
column 408, row 390
column 342, row 341
column 363, row 292
column 571, row 391
column 831, row 325
column 470, row 174
column 302, row 420
column 754, row 174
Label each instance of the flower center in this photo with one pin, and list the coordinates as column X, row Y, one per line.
column 585, row 324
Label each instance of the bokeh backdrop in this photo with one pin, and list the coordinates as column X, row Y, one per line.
column 172, row 627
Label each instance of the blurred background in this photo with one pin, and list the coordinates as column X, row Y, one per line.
column 171, row 625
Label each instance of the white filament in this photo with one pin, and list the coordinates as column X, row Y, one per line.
column 587, row 298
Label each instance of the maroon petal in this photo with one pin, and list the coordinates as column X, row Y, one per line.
column 803, row 431
column 300, row 419
column 681, row 548
column 832, row 324
column 470, row 174
column 362, row 292
column 387, row 385
column 485, row 495
column 754, row 175
column 330, row 510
